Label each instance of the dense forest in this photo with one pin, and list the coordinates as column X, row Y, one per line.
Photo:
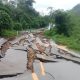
column 17, row 15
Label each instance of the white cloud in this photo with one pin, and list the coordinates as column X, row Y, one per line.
column 42, row 5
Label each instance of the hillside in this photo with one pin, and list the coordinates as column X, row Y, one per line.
column 76, row 9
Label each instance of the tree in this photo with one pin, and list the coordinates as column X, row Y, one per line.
column 17, row 26
column 27, row 3
column 5, row 21
column 27, row 7
column 0, row 2
column 19, row 15
column 24, row 25
column 62, row 21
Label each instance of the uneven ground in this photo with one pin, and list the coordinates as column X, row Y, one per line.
column 13, row 65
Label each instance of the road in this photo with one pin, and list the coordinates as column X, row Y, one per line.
column 14, row 63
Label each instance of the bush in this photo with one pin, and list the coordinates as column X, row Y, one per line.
column 50, row 33
column 8, row 33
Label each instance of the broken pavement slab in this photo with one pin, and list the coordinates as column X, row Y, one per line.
column 2, row 40
column 46, row 59
column 14, row 62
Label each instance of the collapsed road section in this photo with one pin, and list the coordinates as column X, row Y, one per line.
column 22, row 53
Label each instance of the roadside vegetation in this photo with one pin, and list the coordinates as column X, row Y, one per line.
column 19, row 15
column 9, row 33
column 67, row 29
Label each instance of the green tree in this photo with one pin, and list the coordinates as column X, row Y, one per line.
column 17, row 26
column 24, row 25
column 62, row 21
column 5, row 21
column 0, row 2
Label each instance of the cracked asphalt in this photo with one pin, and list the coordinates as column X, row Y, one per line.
column 15, row 62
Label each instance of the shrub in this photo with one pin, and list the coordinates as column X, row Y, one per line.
column 9, row 33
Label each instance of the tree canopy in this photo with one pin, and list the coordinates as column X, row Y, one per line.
column 62, row 22
column 20, row 14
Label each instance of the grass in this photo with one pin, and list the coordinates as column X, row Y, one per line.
column 8, row 33
column 70, row 42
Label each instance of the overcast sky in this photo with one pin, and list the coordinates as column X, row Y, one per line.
column 42, row 5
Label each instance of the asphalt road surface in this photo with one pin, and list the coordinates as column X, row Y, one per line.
column 15, row 62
